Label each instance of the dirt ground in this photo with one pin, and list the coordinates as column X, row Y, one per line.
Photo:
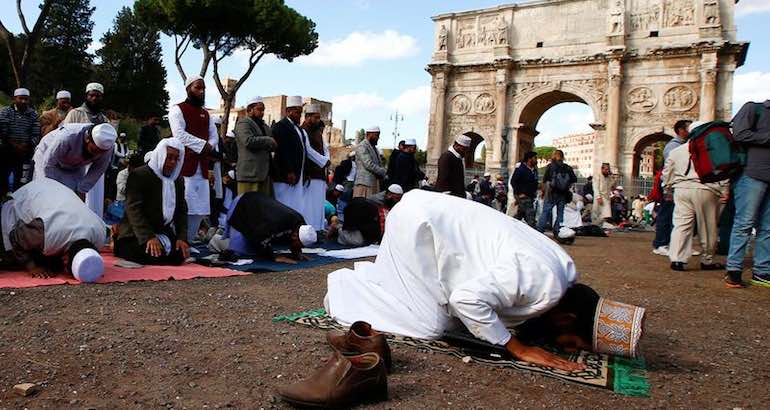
column 210, row 343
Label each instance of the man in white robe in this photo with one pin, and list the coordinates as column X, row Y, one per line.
column 316, row 167
column 290, row 157
column 444, row 258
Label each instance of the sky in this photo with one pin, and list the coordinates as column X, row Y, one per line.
column 372, row 56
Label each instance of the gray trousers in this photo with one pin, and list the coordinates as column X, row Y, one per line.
column 526, row 210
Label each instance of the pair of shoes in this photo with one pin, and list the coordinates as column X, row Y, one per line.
column 677, row 266
column 356, row 372
column 733, row 280
column 712, row 266
column 661, row 250
column 760, row 280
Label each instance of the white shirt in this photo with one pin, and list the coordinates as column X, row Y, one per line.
column 177, row 123
column 121, row 181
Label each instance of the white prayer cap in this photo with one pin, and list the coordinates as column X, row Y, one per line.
column 396, row 189
column 230, row 134
column 463, row 140
column 63, row 94
column 104, row 136
column 87, row 265
column 122, row 134
column 589, row 197
column 339, row 188
column 231, row 174
column 21, row 92
column 374, row 128
column 294, row 101
column 619, row 187
column 307, row 235
column 255, row 100
column 410, row 141
column 487, row 174
column 313, row 109
column 191, row 79
column 217, row 120
column 694, row 125
column 566, row 233
column 94, row 87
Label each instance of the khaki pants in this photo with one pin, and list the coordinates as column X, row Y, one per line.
column 260, row 186
column 693, row 206
column 365, row 191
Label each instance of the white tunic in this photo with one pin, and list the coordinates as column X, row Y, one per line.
column 444, row 258
column 293, row 196
column 572, row 213
column 315, row 192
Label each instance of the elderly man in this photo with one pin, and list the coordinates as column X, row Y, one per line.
column 149, row 135
column 524, row 183
column 433, row 275
column 602, row 188
column 154, row 228
column 43, row 222
column 194, row 128
column 406, row 172
column 19, row 134
column 290, row 156
column 364, row 219
column 255, row 144
column 317, row 166
column 451, row 168
column 76, row 155
column 369, row 168
column 51, row 119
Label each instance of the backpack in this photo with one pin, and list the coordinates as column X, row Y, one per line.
column 714, row 152
column 561, row 180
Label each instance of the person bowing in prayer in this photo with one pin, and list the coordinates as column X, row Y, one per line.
column 43, row 222
column 154, row 227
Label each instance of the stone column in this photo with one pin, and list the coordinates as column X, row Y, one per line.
column 708, row 86
column 501, row 104
column 437, row 119
column 612, row 136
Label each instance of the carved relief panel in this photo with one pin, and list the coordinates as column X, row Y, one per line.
column 680, row 98
column 462, row 104
column 483, row 31
column 677, row 13
column 641, row 99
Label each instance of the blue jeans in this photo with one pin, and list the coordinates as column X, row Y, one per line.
column 664, row 224
column 546, row 216
column 752, row 210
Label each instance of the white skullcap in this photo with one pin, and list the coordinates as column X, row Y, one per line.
column 589, row 197
column 122, row 134
column 191, row 79
column 63, row 94
column 396, row 189
column 230, row 134
column 104, row 136
column 313, row 109
column 373, row 129
column 307, row 235
column 566, row 233
column 217, row 120
column 619, row 187
column 294, row 101
column 255, row 100
column 463, row 140
column 694, row 125
column 94, row 87
column 231, row 174
column 487, row 174
column 87, row 265
column 339, row 188
column 410, row 141
column 21, row 92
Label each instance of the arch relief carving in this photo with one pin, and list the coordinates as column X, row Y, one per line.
column 485, row 104
column 641, row 99
column 461, row 104
column 680, row 98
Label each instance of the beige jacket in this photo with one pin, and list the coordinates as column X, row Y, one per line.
column 676, row 174
column 51, row 119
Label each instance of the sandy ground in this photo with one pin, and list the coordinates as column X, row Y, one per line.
column 210, row 343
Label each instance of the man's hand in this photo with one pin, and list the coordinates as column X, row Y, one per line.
column 40, row 272
column 536, row 355
column 184, row 247
column 154, row 248
column 724, row 198
column 284, row 259
column 291, row 178
column 600, row 201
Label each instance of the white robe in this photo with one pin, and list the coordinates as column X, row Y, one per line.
column 293, row 196
column 444, row 258
column 573, row 217
column 315, row 192
column 95, row 197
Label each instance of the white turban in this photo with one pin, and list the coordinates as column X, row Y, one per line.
column 191, row 79
column 566, row 233
column 307, row 235
column 410, row 141
column 94, row 87
column 294, row 101
column 313, row 109
column 255, row 100
column 396, row 189
column 63, row 94
column 156, row 162
column 694, row 125
column 87, row 265
column 463, row 140
column 21, row 92
column 373, row 129
column 104, row 136
column 339, row 188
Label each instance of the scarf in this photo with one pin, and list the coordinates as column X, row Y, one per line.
column 156, row 162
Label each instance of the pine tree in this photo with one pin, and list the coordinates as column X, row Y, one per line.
column 131, row 69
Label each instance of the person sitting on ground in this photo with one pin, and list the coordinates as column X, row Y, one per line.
column 229, row 188
column 154, row 227
column 445, row 262
column 364, row 219
column 44, row 221
column 389, row 197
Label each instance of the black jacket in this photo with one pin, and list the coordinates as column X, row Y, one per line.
column 524, row 181
column 290, row 153
column 551, row 171
column 451, row 175
column 406, row 172
column 143, row 218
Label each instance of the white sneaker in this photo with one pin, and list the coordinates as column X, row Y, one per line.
column 661, row 250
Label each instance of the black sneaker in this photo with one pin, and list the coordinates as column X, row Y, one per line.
column 733, row 280
column 677, row 266
column 760, row 280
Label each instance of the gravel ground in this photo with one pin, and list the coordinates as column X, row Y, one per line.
column 209, row 343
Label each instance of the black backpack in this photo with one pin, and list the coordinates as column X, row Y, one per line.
column 561, row 180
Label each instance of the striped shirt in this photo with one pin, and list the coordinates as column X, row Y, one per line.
column 19, row 127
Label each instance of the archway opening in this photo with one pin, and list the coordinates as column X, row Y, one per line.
column 648, row 155
column 477, row 144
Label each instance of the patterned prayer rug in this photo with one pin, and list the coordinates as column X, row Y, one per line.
column 621, row 375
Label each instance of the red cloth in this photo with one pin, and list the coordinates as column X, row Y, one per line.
column 196, row 121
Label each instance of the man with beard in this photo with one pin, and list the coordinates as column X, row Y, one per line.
column 603, row 185
column 19, row 134
column 290, row 156
column 255, row 144
column 192, row 125
column 317, row 164
column 406, row 172
column 369, row 169
column 364, row 218
column 557, row 181
column 51, row 119
column 451, row 168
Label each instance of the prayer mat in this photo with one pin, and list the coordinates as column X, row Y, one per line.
column 618, row 374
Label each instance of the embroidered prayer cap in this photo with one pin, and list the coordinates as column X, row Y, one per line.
column 463, row 140
column 410, row 142
column 396, row 189
column 87, row 265
column 104, row 136
column 618, row 327
column 339, row 188
column 21, row 92
column 313, row 109
column 191, row 79
column 294, row 101
column 307, row 235
column 374, row 128
column 63, row 94
column 94, row 87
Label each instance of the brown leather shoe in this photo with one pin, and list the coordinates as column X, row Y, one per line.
column 343, row 381
column 361, row 338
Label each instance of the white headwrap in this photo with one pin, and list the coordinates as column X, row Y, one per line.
column 94, row 87
column 307, row 235
column 157, row 160
column 63, row 94
column 191, row 79
column 87, row 265
column 463, row 140
column 396, row 189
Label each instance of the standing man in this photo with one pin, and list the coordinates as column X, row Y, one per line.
column 406, row 172
column 290, row 156
column 524, row 183
column 255, row 144
column 752, row 196
column 602, row 188
column 557, row 181
column 149, row 136
column 664, row 221
column 451, row 168
column 317, row 167
column 51, row 119
column 392, row 162
column 191, row 124
column 19, row 135
column 369, row 169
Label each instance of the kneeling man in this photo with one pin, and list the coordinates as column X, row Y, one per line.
column 154, row 226
column 44, row 221
column 445, row 262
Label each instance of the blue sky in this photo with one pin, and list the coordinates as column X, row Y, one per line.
column 372, row 57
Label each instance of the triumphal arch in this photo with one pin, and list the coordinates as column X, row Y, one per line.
column 639, row 65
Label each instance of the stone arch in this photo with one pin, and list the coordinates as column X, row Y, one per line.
column 476, row 139
column 640, row 144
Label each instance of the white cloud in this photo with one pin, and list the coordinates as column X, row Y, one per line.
column 94, row 46
column 358, row 47
column 746, row 7
column 751, row 86
column 413, row 101
column 346, row 104
column 175, row 92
